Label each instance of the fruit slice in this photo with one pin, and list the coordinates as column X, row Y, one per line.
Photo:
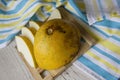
column 55, row 15
column 29, row 33
column 36, row 25
column 25, row 47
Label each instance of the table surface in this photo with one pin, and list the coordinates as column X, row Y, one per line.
column 13, row 68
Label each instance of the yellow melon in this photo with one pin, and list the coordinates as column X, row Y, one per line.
column 56, row 44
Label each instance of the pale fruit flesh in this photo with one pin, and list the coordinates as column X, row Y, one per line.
column 35, row 24
column 25, row 47
column 28, row 33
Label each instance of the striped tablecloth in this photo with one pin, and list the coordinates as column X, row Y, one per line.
column 102, row 61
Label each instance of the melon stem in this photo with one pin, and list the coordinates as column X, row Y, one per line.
column 50, row 31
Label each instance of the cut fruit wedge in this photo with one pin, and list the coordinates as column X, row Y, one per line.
column 36, row 25
column 55, row 15
column 29, row 33
column 25, row 47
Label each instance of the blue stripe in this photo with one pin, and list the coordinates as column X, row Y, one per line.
column 26, row 20
column 78, row 10
column 106, row 35
column 106, row 54
column 62, row 1
column 2, row 20
column 10, row 37
column 31, row 5
column 35, row 18
column 97, row 69
column 43, row 11
column 116, row 38
column 18, row 8
column 54, row 4
column 6, row 31
column 109, row 24
column 3, row 1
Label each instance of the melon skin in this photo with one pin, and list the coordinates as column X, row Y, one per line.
column 56, row 44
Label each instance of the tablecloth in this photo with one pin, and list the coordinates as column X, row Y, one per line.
column 102, row 61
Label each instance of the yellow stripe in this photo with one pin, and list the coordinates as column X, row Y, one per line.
column 110, row 31
column 19, row 27
column 103, row 61
column 114, row 14
column 48, row 7
column 10, row 5
column 48, row 0
column 118, row 33
column 3, row 36
column 111, row 46
column 20, row 20
column 18, row 13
